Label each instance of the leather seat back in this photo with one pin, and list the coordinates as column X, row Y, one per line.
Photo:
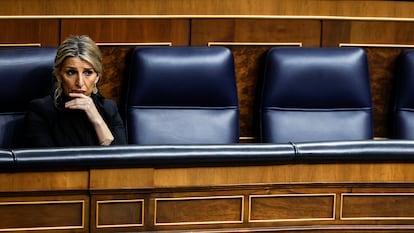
column 315, row 94
column 403, row 107
column 25, row 74
column 182, row 95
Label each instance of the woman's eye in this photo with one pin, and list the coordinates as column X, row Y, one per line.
column 70, row 72
column 88, row 73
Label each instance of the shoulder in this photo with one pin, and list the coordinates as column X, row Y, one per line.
column 41, row 104
column 42, row 108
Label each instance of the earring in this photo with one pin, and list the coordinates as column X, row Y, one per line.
column 58, row 90
column 95, row 89
column 58, row 93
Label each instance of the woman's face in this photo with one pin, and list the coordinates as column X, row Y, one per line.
column 77, row 75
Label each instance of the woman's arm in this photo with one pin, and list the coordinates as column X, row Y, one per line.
column 36, row 132
column 85, row 103
column 117, row 126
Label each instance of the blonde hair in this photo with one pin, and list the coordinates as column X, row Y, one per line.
column 81, row 46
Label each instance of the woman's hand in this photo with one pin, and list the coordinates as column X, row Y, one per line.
column 82, row 102
column 85, row 103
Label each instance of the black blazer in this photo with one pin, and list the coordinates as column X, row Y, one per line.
column 49, row 126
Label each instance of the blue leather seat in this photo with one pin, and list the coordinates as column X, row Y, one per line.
column 182, row 95
column 315, row 94
column 403, row 107
column 25, row 74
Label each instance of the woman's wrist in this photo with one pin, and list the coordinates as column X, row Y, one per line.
column 106, row 142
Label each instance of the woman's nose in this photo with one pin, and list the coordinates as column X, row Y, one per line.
column 79, row 80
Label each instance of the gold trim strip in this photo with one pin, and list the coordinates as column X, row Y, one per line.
column 46, row 228
column 198, row 198
column 255, row 43
column 372, row 218
column 119, row 225
column 293, row 195
column 376, row 45
column 136, row 44
column 185, row 16
column 247, row 138
column 21, row 45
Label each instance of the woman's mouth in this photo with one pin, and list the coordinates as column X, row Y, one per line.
column 78, row 91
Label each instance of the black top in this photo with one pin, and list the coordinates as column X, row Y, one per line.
column 49, row 126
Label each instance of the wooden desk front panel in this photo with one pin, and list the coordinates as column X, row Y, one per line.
column 344, row 196
column 44, row 212
column 376, row 196
column 255, row 207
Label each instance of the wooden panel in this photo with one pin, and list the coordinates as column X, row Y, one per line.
column 367, row 32
column 393, row 206
column 119, row 213
column 35, row 181
column 30, row 31
column 121, row 178
column 381, row 33
column 381, row 62
column 42, row 215
column 292, row 207
column 210, row 7
column 306, row 32
column 283, row 197
column 175, row 31
column 287, row 206
column 210, row 210
column 112, row 84
column 285, row 173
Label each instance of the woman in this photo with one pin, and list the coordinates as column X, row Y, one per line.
column 76, row 115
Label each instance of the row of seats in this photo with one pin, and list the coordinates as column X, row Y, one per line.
column 188, row 95
column 181, row 95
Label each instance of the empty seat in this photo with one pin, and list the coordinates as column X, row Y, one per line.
column 403, row 108
column 315, row 94
column 25, row 74
column 182, row 95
